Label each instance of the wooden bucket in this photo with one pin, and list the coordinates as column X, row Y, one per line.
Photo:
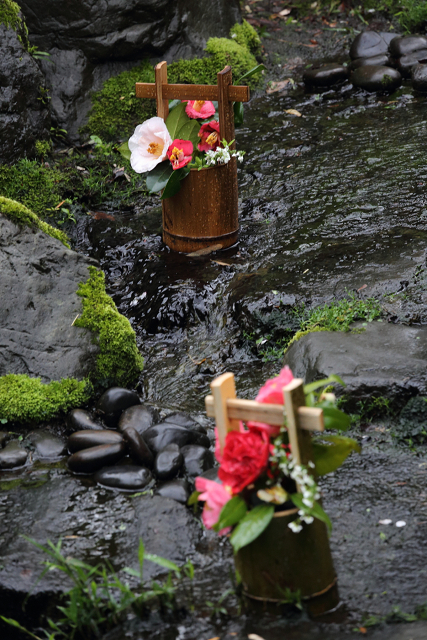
column 205, row 210
column 280, row 560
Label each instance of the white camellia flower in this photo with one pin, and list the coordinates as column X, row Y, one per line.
column 149, row 144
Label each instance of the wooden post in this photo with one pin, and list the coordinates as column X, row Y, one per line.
column 223, row 388
column 225, row 106
column 299, row 440
column 161, row 72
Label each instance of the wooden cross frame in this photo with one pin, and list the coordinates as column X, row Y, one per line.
column 228, row 410
column 223, row 92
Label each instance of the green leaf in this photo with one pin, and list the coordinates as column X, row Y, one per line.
column 316, row 511
column 328, row 457
column 157, row 178
column 251, row 72
column 238, row 113
column 231, row 513
column 333, row 418
column 252, row 525
column 173, row 185
column 124, row 150
column 162, row 562
column 176, row 120
column 173, row 104
column 189, row 131
column 194, row 498
column 312, row 386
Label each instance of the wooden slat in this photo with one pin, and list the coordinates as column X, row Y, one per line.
column 161, row 71
column 223, row 389
column 191, row 92
column 299, row 439
column 225, row 107
column 310, row 418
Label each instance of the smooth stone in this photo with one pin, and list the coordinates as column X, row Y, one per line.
column 326, row 75
column 381, row 60
column 411, row 427
column 197, row 459
column 139, row 417
column 12, row 456
column 138, row 448
column 124, row 477
column 373, row 78
column 405, row 64
column 86, row 439
column 419, row 77
column 114, row 401
column 47, row 446
column 81, row 420
column 184, row 420
column 93, row 459
column 161, row 435
column 386, row 360
column 168, row 463
column 401, row 46
column 179, row 490
column 370, row 43
column 3, row 438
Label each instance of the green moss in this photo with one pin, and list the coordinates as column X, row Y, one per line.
column 301, row 334
column 34, row 185
column 116, row 110
column 19, row 214
column 24, row 399
column 245, row 35
column 119, row 361
column 43, row 147
column 11, row 18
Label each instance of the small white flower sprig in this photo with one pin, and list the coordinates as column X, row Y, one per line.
column 307, row 485
column 221, row 155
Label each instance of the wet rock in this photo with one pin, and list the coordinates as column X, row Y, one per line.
column 138, row 447
column 168, row 462
column 47, row 446
column 381, row 60
column 24, row 115
column 124, row 477
column 402, row 46
column 326, row 75
column 419, row 77
column 139, row 417
column 370, row 43
column 197, row 459
column 373, row 78
column 87, row 439
column 38, row 287
column 184, row 420
column 113, row 402
column 385, row 360
column 163, row 434
column 411, row 427
column 93, row 459
column 81, row 420
column 12, row 456
column 4, row 435
column 179, row 490
column 406, row 63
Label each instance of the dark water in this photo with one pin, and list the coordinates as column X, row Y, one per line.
column 329, row 202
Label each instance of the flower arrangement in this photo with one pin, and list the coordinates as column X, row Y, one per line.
column 257, row 474
column 190, row 138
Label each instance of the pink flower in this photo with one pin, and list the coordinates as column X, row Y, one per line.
column 199, row 109
column 272, row 391
column 261, row 427
column 180, row 153
column 215, row 497
column 209, row 134
column 244, row 459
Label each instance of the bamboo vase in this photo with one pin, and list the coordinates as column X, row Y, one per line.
column 205, row 210
column 279, row 561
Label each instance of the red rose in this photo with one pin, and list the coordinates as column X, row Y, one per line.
column 244, row 458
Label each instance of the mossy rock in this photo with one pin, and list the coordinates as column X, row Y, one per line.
column 115, row 108
column 10, row 16
column 22, row 216
column 411, row 427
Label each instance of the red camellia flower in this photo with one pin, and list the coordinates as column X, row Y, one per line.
column 209, row 134
column 180, row 153
column 244, row 458
column 199, row 109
